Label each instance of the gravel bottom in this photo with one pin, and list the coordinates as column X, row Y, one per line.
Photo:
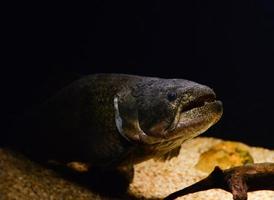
column 21, row 179
column 155, row 179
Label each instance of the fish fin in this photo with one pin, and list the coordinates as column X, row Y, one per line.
column 169, row 155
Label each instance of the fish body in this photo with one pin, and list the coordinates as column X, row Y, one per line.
column 111, row 120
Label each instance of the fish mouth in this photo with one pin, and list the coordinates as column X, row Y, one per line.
column 195, row 117
column 199, row 102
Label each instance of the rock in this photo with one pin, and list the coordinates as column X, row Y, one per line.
column 225, row 155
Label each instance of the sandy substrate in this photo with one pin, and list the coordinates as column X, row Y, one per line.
column 21, row 179
column 156, row 179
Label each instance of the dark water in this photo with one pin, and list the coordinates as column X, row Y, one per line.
column 226, row 45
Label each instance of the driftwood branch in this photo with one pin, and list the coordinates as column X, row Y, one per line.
column 237, row 180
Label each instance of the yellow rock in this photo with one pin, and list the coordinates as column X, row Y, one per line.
column 225, row 155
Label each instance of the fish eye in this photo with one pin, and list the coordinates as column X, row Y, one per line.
column 171, row 96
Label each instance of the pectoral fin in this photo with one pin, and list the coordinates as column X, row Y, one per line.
column 169, row 155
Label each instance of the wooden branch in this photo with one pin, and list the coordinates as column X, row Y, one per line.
column 237, row 180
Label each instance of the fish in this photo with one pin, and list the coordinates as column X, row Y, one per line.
column 112, row 120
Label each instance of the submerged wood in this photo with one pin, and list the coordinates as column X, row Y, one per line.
column 237, row 180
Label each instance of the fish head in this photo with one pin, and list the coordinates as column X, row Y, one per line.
column 156, row 110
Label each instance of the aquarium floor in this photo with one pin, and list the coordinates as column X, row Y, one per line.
column 21, row 179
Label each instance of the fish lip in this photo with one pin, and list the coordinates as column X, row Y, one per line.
column 199, row 102
column 216, row 109
column 195, row 103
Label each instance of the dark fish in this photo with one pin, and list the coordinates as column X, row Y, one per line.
column 111, row 120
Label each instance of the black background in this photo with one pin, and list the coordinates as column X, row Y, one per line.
column 227, row 45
